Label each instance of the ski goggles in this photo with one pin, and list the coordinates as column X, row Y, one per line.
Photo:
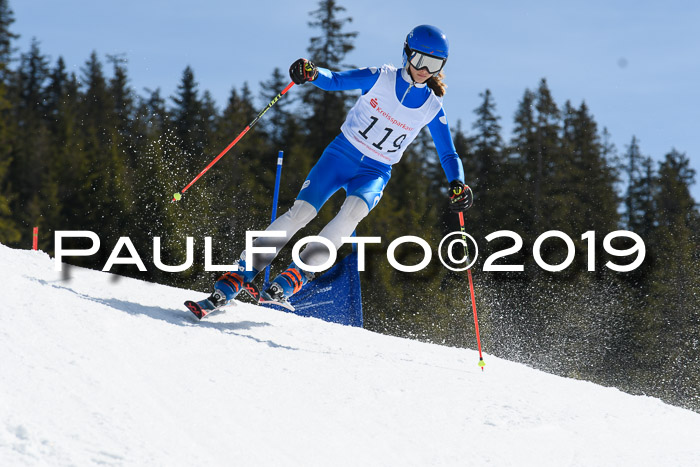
column 429, row 62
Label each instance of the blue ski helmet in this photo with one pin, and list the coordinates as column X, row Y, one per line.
column 426, row 47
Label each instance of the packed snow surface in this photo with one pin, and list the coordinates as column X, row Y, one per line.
column 103, row 370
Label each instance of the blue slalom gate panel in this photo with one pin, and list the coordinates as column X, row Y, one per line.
column 334, row 296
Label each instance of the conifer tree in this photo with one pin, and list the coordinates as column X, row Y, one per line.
column 494, row 179
column 69, row 167
column 590, row 179
column 8, row 227
column 209, row 116
column 523, row 154
column 277, row 122
column 124, row 108
column 108, row 205
column 327, row 50
column 487, row 141
column 675, row 205
column 97, row 102
column 548, row 163
column 639, row 195
column 7, row 17
column 30, row 152
column 55, row 91
column 673, row 305
column 154, row 113
column 9, row 232
column 188, row 120
column 93, row 123
column 334, row 44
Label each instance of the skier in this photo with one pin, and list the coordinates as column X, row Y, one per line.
column 395, row 105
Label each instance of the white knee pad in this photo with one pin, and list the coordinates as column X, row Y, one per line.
column 300, row 214
column 293, row 220
column 354, row 209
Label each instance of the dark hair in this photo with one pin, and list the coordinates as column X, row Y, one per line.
column 435, row 83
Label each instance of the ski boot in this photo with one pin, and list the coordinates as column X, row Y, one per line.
column 285, row 285
column 210, row 304
column 226, row 288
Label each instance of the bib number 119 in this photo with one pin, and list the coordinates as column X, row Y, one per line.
column 397, row 142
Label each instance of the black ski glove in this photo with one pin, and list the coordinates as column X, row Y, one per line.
column 461, row 196
column 302, row 71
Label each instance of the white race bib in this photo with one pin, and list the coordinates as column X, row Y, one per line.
column 379, row 126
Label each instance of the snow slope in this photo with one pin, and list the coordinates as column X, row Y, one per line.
column 102, row 370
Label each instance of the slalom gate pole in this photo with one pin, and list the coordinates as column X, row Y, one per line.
column 176, row 197
column 471, row 290
column 275, row 199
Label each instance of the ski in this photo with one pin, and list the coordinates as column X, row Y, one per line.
column 267, row 299
column 204, row 307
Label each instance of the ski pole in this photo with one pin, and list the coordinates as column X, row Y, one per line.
column 471, row 290
column 178, row 195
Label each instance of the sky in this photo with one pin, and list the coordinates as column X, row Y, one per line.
column 634, row 63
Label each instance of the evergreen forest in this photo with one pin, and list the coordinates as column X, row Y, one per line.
column 85, row 151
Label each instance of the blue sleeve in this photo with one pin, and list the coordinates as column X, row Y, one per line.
column 363, row 78
column 450, row 161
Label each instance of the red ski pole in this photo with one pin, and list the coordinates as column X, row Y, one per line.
column 482, row 364
column 178, row 195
